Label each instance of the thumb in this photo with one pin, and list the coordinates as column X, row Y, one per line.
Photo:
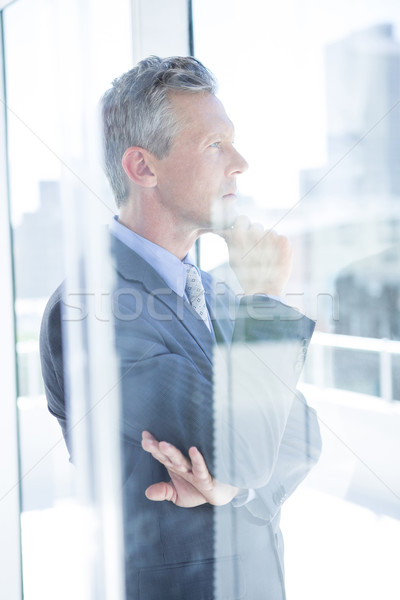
column 158, row 492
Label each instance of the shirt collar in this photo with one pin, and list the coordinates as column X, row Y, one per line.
column 168, row 266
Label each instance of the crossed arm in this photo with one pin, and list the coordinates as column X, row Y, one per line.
column 262, row 263
column 191, row 484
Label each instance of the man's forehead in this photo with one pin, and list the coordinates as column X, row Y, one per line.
column 201, row 110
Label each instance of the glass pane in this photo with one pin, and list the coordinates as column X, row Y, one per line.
column 34, row 134
column 37, row 36
column 312, row 94
column 313, row 90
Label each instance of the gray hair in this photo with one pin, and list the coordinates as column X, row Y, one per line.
column 137, row 112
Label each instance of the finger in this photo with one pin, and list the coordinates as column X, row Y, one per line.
column 178, row 461
column 167, row 455
column 158, row 492
column 275, row 240
column 153, row 447
column 241, row 222
column 256, row 233
column 146, row 435
column 199, row 467
column 150, row 444
column 240, row 231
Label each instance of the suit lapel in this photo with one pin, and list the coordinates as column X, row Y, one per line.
column 134, row 268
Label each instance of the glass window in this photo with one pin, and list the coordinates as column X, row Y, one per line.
column 42, row 61
column 313, row 89
column 141, row 344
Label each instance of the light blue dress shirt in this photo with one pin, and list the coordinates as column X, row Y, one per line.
column 168, row 266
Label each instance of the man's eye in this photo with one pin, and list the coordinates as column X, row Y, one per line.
column 215, row 145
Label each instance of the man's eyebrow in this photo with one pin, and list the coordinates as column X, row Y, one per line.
column 228, row 131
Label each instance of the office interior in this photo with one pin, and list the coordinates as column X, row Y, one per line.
column 314, row 91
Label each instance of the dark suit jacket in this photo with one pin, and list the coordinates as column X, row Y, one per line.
column 233, row 399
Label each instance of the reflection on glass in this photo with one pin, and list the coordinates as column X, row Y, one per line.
column 33, row 128
column 37, row 83
column 223, row 399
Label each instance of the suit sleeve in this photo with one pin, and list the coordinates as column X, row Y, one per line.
column 255, row 394
column 163, row 392
column 298, row 453
column 51, row 357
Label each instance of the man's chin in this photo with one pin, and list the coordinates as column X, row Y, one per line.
column 223, row 216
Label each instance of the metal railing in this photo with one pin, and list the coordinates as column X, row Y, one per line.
column 316, row 366
column 386, row 350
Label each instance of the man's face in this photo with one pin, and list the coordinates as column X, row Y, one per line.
column 196, row 182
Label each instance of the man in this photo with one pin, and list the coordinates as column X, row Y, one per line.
column 214, row 435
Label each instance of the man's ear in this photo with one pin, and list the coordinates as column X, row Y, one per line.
column 137, row 165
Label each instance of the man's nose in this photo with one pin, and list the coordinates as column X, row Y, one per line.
column 238, row 164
